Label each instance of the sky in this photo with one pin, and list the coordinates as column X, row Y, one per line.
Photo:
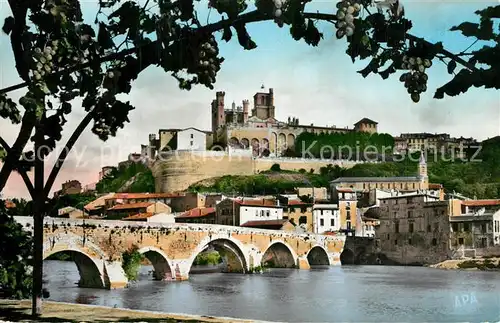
column 316, row 84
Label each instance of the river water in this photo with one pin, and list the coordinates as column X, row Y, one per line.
column 328, row 294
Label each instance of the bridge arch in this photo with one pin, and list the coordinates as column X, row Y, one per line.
column 231, row 250
column 89, row 269
column 347, row 257
column 162, row 265
column 279, row 254
column 87, row 256
column 318, row 256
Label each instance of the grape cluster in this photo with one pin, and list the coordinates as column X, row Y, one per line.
column 347, row 11
column 208, row 64
column 43, row 60
column 415, row 80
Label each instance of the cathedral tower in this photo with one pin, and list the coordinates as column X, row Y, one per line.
column 218, row 116
column 422, row 171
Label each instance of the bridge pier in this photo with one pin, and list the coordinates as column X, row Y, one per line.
column 181, row 269
column 303, row 263
column 115, row 277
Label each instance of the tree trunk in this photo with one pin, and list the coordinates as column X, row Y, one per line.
column 38, row 209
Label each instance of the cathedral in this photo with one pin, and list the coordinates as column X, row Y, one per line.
column 242, row 127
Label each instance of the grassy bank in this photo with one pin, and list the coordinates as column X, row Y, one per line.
column 18, row 311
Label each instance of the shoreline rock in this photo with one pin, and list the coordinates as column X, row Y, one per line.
column 470, row 264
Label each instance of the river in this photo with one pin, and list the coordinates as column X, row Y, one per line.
column 328, row 294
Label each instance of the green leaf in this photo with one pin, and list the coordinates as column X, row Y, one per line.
column 451, row 66
column 490, row 12
column 312, row 35
column 385, row 73
column 227, row 34
column 244, row 38
column 3, row 153
column 8, row 25
column 104, row 38
column 468, row 29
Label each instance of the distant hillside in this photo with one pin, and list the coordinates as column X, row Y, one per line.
column 135, row 178
column 478, row 178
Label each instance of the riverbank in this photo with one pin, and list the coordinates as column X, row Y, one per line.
column 484, row 264
column 19, row 311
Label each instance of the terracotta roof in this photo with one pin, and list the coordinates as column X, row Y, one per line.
column 481, row 202
column 264, row 223
column 198, row 212
column 139, row 216
column 345, row 190
column 9, row 204
column 435, row 186
column 366, row 120
column 131, row 206
column 296, row 202
column 144, row 195
column 259, row 202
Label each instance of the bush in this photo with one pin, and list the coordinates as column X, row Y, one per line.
column 131, row 262
column 15, row 257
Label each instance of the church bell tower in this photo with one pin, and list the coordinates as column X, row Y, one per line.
column 422, row 171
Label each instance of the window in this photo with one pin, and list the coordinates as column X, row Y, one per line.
column 332, row 222
column 483, row 228
column 460, row 241
column 395, row 242
column 466, row 227
column 321, row 222
column 192, row 136
column 268, row 213
column 388, row 236
column 434, row 242
column 410, row 227
column 454, row 227
column 321, row 212
column 303, row 220
column 410, row 214
column 191, row 142
column 484, row 242
column 396, row 227
column 409, row 241
column 436, row 227
column 429, row 228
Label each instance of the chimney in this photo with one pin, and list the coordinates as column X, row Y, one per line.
column 233, row 106
column 271, row 96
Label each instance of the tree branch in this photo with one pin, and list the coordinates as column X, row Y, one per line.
column 27, row 125
column 65, row 152
column 23, row 174
column 253, row 16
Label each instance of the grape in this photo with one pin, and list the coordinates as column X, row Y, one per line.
column 48, row 57
column 357, row 7
column 340, row 33
column 349, row 31
column 341, row 24
column 412, row 61
column 421, row 68
column 349, row 18
column 415, row 97
column 38, row 50
column 47, row 50
column 47, row 68
column 39, row 66
column 350, row 10
column 340, row 15
column 419, row 61
column 277, row 13
column 427, row 63
column 42, row 60
column 111, row 75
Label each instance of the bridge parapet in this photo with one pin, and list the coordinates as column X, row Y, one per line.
column 172, row 248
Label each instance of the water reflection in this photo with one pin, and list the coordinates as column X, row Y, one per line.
column 331, row 294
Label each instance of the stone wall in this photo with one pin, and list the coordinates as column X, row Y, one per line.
column 178, row 170
column 172, row 248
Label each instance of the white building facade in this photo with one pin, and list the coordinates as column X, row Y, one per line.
column 191, row 139
column 260, row 213
column 326, row 218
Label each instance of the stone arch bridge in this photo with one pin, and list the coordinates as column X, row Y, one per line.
column 97, row 247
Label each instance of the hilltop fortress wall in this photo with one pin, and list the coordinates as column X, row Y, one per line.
column 177, row 170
